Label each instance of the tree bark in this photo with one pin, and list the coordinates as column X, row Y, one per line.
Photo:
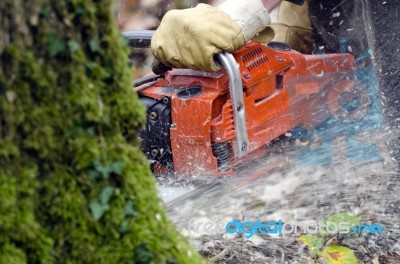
column 74, row 185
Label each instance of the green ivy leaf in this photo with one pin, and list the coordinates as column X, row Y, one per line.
column 101, row 169
column 75, row 131
column 105, row 120
column 97, row 209
column 92, row 175
column 56, row 45
column 143, row 254
column 338, row 255
column 91, row 131
column 117, row 167
column 342, row 221
column 94, row 44
column 106, row 194
column 313, row 242
column 73, row 46
column 79, row 9
column 90, row 64
column 123, row 227
column 129, row 210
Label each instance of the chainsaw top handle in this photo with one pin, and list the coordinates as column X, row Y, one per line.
column 142, row 39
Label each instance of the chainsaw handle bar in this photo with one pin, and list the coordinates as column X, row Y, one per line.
column 142, row 39
column 236, row 90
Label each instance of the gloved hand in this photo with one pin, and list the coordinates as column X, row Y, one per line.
column 293, row 26
column 190, row 38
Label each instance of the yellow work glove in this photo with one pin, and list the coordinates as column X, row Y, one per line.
column 190, row 38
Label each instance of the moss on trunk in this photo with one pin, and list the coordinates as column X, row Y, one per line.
column 74, row 186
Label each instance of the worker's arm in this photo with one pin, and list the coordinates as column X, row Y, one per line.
column 190, row 38
column 270, row 4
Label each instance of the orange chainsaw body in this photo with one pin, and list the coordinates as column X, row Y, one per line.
column 282, row 89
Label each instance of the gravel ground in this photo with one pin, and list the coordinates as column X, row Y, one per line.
column 280, row 186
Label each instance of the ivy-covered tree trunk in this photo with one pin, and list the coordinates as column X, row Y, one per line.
column 74, row 186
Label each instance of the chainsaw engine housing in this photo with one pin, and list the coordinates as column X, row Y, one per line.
column 190, row 120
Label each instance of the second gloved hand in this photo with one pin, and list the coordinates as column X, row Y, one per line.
column 190, row 38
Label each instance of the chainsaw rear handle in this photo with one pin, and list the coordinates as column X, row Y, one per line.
column 142, row 39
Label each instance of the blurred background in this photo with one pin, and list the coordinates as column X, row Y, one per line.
column 146, row 14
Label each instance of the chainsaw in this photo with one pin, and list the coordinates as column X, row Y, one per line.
column 207, row 123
